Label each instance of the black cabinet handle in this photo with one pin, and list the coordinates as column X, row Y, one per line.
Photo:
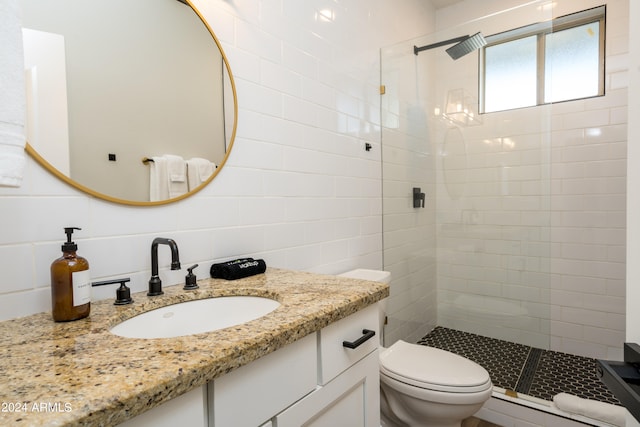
column 367, row 333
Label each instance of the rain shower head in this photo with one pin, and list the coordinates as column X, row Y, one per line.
column 465, row 45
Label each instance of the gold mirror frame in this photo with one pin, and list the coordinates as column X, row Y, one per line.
column 53, row 170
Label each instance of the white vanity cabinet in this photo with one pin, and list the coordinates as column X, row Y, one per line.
column 349, row 400
column 315, row 381
column 254, row 393
column 348, row 379
column 190, row 409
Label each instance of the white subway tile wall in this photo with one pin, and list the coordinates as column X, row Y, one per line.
column 298, row 190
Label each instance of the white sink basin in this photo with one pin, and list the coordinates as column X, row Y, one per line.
column 194, row 317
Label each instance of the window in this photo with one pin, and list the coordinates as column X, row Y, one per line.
column 555, row 61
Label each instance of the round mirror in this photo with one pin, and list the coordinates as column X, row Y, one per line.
column 130, row 101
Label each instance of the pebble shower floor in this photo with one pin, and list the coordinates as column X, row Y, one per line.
column 527, row 370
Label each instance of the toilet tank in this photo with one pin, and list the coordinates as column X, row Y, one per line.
column 375, row 276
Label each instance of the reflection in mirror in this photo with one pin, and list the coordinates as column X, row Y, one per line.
column 112, row 82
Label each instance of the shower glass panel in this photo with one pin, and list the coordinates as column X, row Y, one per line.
column 477, row 257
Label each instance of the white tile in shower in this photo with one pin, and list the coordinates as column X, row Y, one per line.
column 607, row 168
column 593, row 349
column 607, row 304
column 618, row 115
column 603, row 335
column 591, row 285
column 584, row 251
column 566, row 298
column 585, row 119
column 566, row 329
column 619, row 80
column 582, row 316
column 616, row 287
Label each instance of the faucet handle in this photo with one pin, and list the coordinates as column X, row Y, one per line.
column 190, row 279
column 123, row 293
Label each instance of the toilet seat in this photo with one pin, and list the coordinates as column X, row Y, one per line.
column 433, row 369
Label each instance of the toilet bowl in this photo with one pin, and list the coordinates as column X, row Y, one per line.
column 425, row 386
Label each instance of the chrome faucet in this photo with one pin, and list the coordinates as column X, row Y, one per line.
column 155, row 284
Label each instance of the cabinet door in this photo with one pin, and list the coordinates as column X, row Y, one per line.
column 334, row 357
column 254, row 393
column 190, row 409
column 349, row 400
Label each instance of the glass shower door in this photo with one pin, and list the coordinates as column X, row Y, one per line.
column 476, row 258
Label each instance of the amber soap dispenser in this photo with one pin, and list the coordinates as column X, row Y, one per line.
column 70, row 283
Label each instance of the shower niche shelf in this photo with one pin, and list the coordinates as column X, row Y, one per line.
column 623, row 378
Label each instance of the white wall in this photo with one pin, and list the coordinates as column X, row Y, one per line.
column 298, row 190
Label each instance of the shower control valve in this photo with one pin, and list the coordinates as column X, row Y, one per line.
column 418, row 198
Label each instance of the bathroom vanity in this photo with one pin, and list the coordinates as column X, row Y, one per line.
column 289, row 366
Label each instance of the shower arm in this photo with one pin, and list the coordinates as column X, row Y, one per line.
column 417, row 49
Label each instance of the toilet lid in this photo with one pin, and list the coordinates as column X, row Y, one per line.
column 432, row 368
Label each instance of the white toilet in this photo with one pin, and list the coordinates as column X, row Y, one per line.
column 423, row 386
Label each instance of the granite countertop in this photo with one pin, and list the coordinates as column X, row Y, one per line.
column 78, row 373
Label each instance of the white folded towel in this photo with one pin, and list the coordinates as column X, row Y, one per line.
column 198, row 171
column 612, row 414
column 13, row 98
column 177, row 175
column 158, row 179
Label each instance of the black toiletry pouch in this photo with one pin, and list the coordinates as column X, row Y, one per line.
column 238, row 269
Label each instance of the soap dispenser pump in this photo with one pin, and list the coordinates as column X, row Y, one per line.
column 70, row 283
